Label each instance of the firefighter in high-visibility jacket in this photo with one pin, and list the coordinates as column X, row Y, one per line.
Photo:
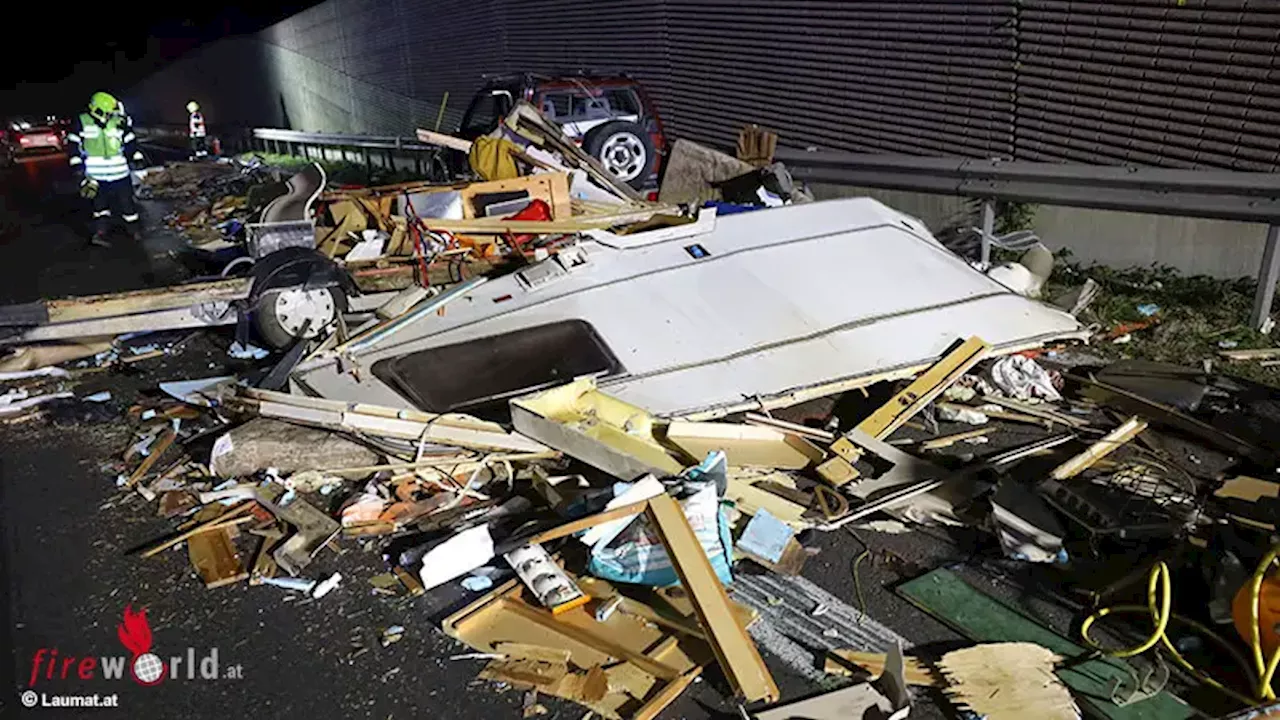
column 100, row 147
column 196, row 131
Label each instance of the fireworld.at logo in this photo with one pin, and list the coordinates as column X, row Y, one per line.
column 145, row 667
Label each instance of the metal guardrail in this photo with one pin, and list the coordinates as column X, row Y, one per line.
column 358, row 142
column 1216, row 194
column 428, row 160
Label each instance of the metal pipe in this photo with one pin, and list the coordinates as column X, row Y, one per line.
column 988, row 230
column 1268, row 276
column 377, row 334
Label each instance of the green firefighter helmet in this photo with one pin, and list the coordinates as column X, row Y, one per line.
column 101, row 105
column 193, row 106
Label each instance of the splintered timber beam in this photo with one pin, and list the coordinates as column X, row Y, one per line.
column 902, row 407
column 1104, row 447
column 734, row 650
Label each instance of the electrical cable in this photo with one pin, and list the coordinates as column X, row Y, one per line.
column 1159, row 599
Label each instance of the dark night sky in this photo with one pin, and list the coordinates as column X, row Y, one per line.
column 112, row 50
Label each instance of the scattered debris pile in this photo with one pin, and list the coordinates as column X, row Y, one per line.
column 597, row 422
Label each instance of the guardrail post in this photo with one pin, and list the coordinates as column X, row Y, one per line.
column 988, row 229
column 1268, row 276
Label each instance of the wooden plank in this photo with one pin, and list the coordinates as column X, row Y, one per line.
column 525, row 116
column 1248, row 489
column 1100, row 449
column 383, row 274
column 213, row 555
column 1167, row 416
column 917, row 672
column 903, row 406
column 576, row 223
column 749, row 499
column 264, row 565
column 455, row 464
column 658, row 609
column 141, row 301
column 234, row 516
column 922, row 391
column 578, row 634
column 527, row 651
column 150, row 460
column 999, row 414
column 666, row 695
column 1254, row 354
column 410, row 187
column 449, row 141
column 946, row 441
column 736, row 653
column 588, row 522
column 802, row 430
column 1034, row 410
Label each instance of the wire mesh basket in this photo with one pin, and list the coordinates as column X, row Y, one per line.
column 266, row 238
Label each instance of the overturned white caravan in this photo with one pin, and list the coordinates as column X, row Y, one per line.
column 759, row 309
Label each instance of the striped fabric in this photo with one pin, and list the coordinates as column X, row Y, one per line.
column 106, row 169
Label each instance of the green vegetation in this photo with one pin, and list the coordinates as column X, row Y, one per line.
column 1014, row 216
column 1197, row 313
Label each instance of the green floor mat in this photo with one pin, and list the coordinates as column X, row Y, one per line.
column 982, row 618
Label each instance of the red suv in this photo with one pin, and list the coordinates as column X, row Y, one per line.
column 22, row 137
column 610, row 116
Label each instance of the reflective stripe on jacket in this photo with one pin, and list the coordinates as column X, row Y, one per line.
column 101, row 148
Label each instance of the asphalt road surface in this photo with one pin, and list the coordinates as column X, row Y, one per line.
column 66, row 578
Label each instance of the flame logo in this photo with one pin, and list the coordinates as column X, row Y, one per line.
column 135, row 631
column 135, row 635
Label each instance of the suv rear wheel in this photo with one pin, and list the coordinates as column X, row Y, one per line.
column 624, row 149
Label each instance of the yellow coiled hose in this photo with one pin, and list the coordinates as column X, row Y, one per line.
column 1159, row 597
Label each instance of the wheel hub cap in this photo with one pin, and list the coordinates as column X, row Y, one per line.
column 295, row 307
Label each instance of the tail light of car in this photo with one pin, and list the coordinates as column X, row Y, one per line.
column 654, row 126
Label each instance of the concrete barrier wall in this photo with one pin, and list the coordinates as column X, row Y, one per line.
column 1217, row 248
